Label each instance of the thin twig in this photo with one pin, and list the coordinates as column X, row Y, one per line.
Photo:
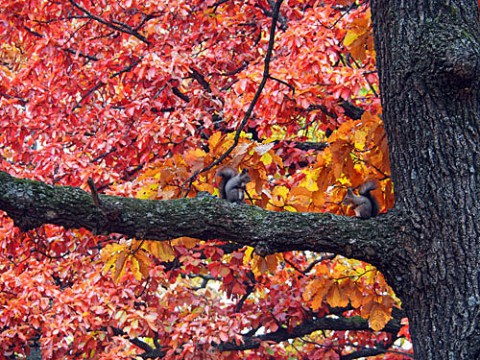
column 102, row 84
column 266, row 76
column 120, row 27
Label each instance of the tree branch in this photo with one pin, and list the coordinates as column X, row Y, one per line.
column 122, row 28
column 101, row 84
column 308, row 327
column 253, row 103
column 32, row 203
column 150, row 352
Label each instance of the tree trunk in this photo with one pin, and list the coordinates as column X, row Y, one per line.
column 428, row 61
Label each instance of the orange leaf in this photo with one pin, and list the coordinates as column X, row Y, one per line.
column 110, row 256
column 317, row 290
column 355, row 296
column 186, row 241
column 312, row 288
column 379, row 317
column 161, row 250
column 336, row 297
column 143, row 263
column 259, row 265
column 272, row 261
column 119, row 269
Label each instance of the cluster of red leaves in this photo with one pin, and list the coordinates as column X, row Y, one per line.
column 141, row 94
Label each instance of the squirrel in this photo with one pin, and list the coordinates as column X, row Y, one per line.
column 232, row 185
column 365, row 204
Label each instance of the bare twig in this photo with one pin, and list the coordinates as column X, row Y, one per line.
column 119, row 26
column 101, row 84
column 201, row 80
column 181, row 95
column 248, row 114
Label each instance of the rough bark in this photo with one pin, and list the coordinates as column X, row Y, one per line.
column 428, row 61
column 32, row 203
column 309, row 326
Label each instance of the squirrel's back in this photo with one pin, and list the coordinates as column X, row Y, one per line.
column 226, row 174
column 365, row 191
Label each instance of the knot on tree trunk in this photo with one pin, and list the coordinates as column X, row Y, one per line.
column 447, row 56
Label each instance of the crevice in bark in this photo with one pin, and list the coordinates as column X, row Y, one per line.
column 428, row 66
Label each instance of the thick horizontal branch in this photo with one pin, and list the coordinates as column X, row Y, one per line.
column 31, row 204
column 308, row 327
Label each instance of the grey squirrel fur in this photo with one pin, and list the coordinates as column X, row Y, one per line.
column 232, row 186
column 365, row 205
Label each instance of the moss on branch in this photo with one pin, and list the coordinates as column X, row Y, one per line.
column 31, row 204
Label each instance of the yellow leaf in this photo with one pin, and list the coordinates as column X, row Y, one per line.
column 290, row 208
column 210, row 188
column 162, row 250
column 119, row 270
column 359, row 139
column 148, row 192
column 350, row 38
column 310, row 180
column 109, row 264
column 110, row 255
column 111, row 250
column 150, row 174
column 135, row 267
column 279, row 194
column 266, row 159
column 215, row 139
column 247, row 255
column 379, row 317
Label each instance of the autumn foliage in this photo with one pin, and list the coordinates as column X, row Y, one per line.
column 143, row 96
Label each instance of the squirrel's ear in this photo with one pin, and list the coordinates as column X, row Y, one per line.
column 244, row 171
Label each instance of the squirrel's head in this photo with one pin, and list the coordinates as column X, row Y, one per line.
column 347, row 200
